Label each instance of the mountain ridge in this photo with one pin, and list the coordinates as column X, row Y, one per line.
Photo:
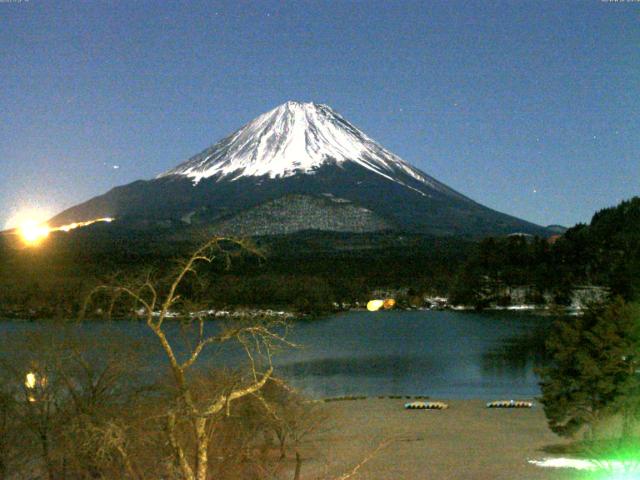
column 298, row 149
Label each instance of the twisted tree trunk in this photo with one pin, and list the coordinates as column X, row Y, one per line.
column 296, row 475
column 202, row 448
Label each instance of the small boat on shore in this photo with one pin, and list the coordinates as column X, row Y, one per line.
column 426, row 406
column 509, row 404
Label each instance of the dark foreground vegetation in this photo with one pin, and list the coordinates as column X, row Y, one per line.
column 591, row 382
column 76, row 407
column 591, row 386
column 82, row 407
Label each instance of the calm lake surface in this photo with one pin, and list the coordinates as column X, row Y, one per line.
column 442, row 354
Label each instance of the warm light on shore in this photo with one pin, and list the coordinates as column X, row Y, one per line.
column 375, row 305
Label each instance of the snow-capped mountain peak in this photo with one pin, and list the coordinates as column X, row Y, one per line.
column 296, row 138
column 300, row 166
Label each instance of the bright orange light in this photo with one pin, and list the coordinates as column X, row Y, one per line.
column 32, row 232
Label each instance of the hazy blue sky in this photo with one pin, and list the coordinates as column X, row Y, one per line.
column 531, row 108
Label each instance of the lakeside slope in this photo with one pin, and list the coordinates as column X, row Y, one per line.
column 466, row 441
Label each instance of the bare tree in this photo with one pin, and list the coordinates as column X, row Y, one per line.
column 9, row 432
column 90, row 413
column 290, row 417
column 34, row 395
column 259, row 339
column 59, row 386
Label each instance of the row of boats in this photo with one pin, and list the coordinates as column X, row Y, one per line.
column 444, row 406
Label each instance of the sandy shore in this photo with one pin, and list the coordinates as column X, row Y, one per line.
column 467, row 441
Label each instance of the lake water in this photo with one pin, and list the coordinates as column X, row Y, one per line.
column 436, row 353
column 441, row 354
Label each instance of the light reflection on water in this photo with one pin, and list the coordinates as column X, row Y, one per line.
column 440, row 354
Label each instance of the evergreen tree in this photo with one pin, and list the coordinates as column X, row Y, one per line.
column 593, row 369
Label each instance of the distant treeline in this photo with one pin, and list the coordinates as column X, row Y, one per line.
column 604, row 253
column 309, row 272
column 312, row 271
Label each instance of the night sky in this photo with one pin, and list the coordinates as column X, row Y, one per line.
column 531, row 108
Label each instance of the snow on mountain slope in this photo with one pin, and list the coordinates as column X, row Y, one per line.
column 297, row 138
column 305, row 150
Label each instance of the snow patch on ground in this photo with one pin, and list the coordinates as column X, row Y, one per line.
column 590, row 465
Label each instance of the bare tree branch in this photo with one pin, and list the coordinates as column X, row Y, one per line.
column 220, row 403
column 354, row 471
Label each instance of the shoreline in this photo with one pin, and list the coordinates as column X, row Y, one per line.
column 465, row 441
column 287, row 315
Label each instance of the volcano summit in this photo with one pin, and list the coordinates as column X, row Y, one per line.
column 300, row 166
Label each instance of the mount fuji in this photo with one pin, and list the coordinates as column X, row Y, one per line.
column 300, row 166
